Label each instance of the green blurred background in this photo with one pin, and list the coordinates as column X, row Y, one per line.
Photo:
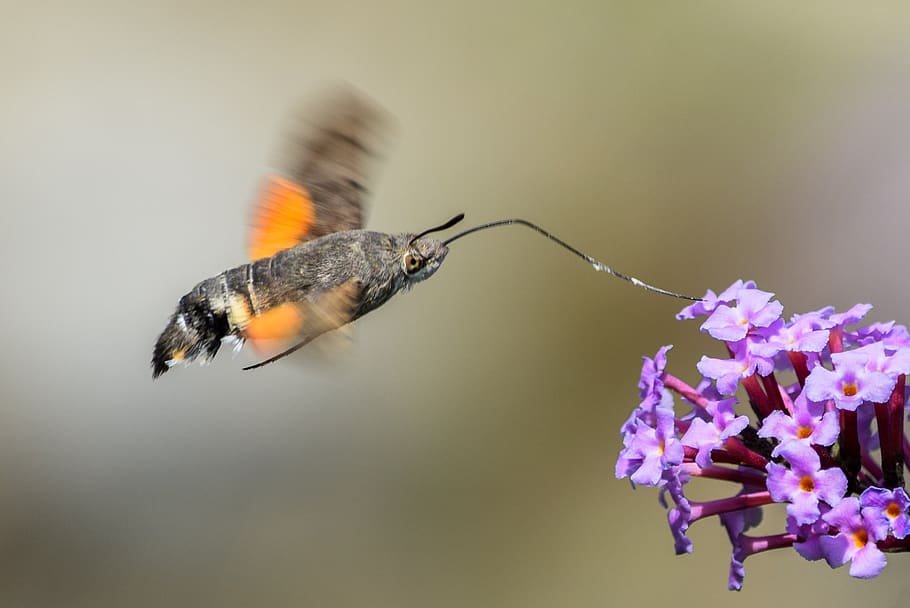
column 460, row 452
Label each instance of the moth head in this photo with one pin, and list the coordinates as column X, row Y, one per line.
column 422, row 257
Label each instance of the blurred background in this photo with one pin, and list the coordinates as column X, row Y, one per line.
column 460, row 451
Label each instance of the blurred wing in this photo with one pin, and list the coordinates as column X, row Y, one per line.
column 324, row 168
column 302, row 321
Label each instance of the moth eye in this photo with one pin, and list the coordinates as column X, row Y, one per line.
column 412, row 263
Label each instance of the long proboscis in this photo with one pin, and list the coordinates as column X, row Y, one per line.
column 598, row 265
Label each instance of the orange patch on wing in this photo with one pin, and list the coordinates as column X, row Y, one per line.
column 283, row 216
column 276, row 324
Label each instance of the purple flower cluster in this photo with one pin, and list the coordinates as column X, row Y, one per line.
column 824, row 433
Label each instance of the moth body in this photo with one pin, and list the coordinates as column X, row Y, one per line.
column 301, row 292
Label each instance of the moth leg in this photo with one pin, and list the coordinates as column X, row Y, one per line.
column 282, row 354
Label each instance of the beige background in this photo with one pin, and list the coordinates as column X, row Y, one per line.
column 460, row 452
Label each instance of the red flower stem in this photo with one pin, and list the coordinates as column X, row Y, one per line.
column 788, row 403
column 756, row 544
column 721, row 456
column 850, row 453
column 800, row 364
column 896, row 428
column 870, row 465
column 836, row 340
column 700, row 510
column 894, row 545
column 866, row 479
column 827, row 460
column 682, row 426
column 882, row 419
column 773, row 391
column 757, row 396
column 735, row 446
column 675, row 384
column 744, row 476
column 890, row 427
column 849, row 436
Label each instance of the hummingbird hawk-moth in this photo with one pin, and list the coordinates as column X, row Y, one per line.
column 314, row 268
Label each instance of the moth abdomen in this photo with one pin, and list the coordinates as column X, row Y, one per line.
column 194, row 331
column 241, row 302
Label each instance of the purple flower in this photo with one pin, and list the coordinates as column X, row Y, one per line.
column 850, row 384
column 804, row 483
column 729, row 372
column 647, row 412
column 810, row 534
column 854, row 315
column 711, row 301
column 651, row 390
column 889, row 508
column 801, row 335
column 651, row 381
column 894, row 363
column 891, row 335
column 753, row 309
column 817, row 319
column 736, row 523
column 809, row 424
column 854, row 541
column 650, row 450
column 737, row 567
column 679, row 516
column 707, row 435
column 804, row 381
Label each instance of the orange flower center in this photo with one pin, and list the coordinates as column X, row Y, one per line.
column 893, row 510
column 806, row 484
column 803, row 432
column 860, row 538
column 849, row 389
